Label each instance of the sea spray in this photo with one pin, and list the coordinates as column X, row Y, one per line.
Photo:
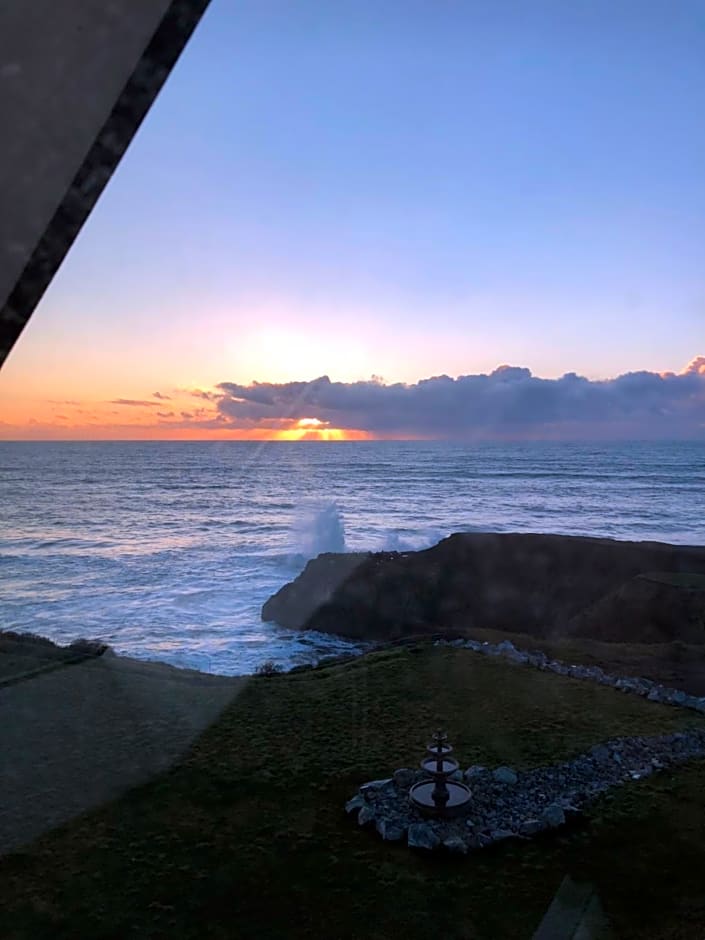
column 180, row 544
column 318, row 528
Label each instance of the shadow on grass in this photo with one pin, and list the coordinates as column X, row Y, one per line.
column 248, row 838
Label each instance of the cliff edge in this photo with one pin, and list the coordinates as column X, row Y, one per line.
column 544, row 585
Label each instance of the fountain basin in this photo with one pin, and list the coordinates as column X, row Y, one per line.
column 421, row 797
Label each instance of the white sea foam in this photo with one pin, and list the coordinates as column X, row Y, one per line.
column 318, row 528
column 168, row 550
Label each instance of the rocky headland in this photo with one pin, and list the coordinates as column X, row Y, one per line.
column 541, row 585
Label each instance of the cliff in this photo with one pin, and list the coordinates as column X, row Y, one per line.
column 543, row 585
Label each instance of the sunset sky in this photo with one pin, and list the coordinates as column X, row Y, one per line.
column 331, row 204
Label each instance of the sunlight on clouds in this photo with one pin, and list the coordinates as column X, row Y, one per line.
column 313, row 429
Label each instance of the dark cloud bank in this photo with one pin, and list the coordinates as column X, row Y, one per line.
column 509, row 402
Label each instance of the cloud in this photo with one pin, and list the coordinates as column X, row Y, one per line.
column 697, row 366
column 133, row 401
column 200, row 393
column 509, row 402
column 161, row 397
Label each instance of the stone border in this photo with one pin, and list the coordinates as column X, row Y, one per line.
column 510, row 804
column 646, row 688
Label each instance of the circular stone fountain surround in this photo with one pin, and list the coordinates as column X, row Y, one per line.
column 517, row 804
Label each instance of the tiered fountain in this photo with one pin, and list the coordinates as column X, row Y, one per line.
column 440, row 796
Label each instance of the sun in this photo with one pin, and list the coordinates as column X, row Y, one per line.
column 313, row 429
column 314, row 423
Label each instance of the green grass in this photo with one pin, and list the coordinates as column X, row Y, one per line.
column 216, row 849
column 679, row 579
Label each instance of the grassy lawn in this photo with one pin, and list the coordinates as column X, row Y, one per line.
column 689, row 580
column 248, row 838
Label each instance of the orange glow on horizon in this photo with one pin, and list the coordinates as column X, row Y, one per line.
column 170, row 419
column 313, row 429
column 299, row 433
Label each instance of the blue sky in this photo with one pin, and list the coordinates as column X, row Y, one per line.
column 402, row 189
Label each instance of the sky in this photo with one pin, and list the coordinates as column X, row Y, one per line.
column 359, row 211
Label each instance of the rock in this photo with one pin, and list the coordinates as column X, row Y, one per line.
column 293, row 605
column 600, row 753
column 576, row 585
column 537, row 658
column 505, row 775
column 421, row 836
column 456, row 845
column 366, row 815
column 404, row 778
column 457, row 776
column 473, row 771
column 623, row 684
column 530, row 827
column 390, row 831
column 572, row 812
column 499, row 835
column 375, row 785
column 553, row 816
column 86, row 647
column 357, row 802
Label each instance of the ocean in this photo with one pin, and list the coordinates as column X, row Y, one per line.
column 167, row 550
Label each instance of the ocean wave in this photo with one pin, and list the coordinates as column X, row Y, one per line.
column 174, row 560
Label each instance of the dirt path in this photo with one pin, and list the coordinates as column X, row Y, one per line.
column 78, row 736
